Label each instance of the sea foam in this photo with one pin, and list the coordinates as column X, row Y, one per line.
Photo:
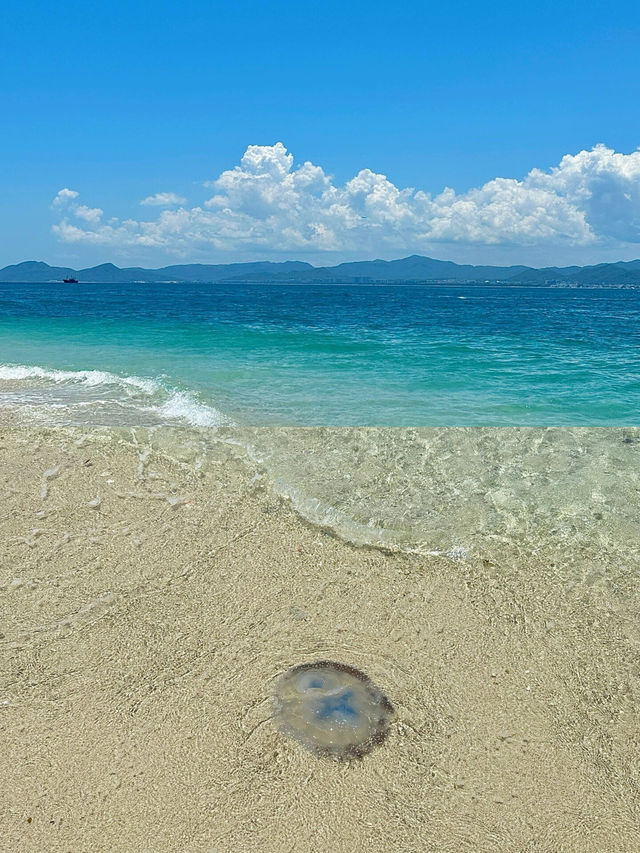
column 92, row 378
column 99, row 397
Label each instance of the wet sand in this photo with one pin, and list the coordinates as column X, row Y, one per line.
column 146, row 607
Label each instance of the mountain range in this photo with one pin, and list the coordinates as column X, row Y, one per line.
column 412, row 269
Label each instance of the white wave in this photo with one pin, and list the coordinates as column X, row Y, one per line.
column 92, row 378
column 62, row 390
column 183, row 406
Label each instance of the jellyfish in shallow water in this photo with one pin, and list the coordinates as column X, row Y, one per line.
column 332, row 709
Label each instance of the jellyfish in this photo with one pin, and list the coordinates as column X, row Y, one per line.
column 332, row 709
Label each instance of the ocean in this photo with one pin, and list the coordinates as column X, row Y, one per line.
column 460, row 420
column 303, row 355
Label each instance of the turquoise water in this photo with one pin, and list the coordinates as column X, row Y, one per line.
column 322, row 355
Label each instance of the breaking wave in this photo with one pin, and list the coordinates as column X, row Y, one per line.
column 100, row 398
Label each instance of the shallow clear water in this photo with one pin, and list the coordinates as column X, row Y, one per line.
column 567, row 495
column 413, row 355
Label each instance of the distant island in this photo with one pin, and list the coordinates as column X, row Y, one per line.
column 415, row 269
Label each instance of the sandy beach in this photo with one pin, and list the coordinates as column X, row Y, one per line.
column 147, row 606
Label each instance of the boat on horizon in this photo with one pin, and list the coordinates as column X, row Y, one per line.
column 70, row 280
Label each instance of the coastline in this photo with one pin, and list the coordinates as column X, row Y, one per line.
column 149, row 604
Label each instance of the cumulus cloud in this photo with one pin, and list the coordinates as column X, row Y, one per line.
column 267, row 203
column 89, row 214
column 64, row 196
column 67, row 200
column 163, row 200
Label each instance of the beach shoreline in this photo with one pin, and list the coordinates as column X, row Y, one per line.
column 149, row 603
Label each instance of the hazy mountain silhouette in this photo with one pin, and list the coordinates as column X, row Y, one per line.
column 413, row 268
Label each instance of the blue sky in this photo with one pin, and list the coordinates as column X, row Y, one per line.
column 119, row 102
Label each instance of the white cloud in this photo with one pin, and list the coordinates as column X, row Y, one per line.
column 163, row 200
column 89, row 214
column 268, row 204
column 64, row 197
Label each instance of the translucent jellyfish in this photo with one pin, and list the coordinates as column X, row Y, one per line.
column 332, row 709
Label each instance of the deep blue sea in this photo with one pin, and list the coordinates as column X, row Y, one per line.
column 256, row 354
